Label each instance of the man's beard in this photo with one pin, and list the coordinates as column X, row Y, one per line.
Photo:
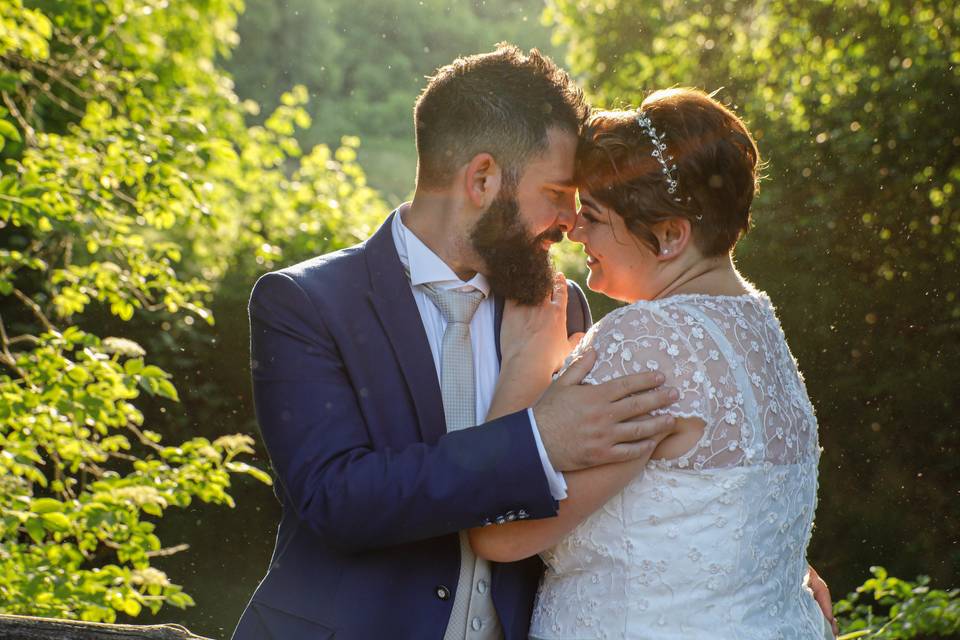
column 517, row 265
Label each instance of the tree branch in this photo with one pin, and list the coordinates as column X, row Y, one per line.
column 37, row 311
column 143, row 439
column 28, row 131
column 6, row 357
column 169, row 551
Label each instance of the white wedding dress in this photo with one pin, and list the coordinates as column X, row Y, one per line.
column 711, row 545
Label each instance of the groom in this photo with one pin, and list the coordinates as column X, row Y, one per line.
column 372, row 364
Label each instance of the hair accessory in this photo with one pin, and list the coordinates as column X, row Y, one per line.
column 659, row 152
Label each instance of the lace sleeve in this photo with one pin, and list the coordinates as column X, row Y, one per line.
column 646, row 336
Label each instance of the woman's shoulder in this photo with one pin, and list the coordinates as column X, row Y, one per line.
column 641, row 313
column 682, row 327
column 644, row 335
column 678, row 311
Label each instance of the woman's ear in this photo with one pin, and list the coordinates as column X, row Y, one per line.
column 482, row 180
column 674, row 235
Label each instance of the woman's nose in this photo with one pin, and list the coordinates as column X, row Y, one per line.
column 576, row 233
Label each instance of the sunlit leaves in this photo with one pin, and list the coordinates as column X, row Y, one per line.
column 26, row 31
column 130, row 184
column 124, row 184
column 74, row 410
column 888, row 608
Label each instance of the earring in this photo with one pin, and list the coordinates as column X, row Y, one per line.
column 666, row 251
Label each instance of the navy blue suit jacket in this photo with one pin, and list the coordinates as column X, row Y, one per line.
column 373, row 489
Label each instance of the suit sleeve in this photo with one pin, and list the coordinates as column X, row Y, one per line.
column 579, row 318
column 354, row 496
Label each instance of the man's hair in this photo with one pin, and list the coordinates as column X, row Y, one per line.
column 501, row 103
column 716, row 162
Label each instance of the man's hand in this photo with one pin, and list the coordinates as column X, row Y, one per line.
column 585, row 426
column 821, row 593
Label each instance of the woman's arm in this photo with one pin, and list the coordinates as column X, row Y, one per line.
column 587, row 491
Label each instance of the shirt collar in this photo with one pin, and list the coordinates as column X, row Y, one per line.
column 425, row 266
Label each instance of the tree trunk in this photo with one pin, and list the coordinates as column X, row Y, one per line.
column 30, row 628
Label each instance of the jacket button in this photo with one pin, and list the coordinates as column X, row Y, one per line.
column 443, row 593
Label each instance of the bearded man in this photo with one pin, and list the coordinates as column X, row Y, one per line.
column 373, row 369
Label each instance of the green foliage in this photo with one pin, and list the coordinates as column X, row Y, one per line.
column 887, row 608
column 364, row 62
column 130, row 186
column 856, row 108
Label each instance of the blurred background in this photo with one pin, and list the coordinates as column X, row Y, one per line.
column 282, row 129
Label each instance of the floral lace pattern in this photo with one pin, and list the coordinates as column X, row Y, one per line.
column 711, row 544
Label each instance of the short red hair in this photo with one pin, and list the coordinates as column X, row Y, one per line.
column 716, row 160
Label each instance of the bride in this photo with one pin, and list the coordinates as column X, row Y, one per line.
column 708, row 539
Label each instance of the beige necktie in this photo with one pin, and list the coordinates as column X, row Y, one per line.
column 472, row 614
column 457, row 379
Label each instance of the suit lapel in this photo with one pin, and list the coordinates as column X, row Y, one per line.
column 497, row 321
column 397, row 311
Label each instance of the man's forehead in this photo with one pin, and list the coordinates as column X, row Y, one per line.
column 564, row 184
column 554, row 166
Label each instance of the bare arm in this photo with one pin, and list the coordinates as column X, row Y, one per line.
column 821, row 594
column 587, row 491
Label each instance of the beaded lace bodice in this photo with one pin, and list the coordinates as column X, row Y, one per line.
column 711, row 544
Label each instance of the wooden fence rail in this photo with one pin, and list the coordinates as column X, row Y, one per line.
column 30, row 628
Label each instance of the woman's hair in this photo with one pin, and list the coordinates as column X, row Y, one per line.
column 715, row 160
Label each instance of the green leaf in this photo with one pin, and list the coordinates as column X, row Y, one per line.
column 131, row 607
column 166, row 389
column 56, row 521
column 153, row 371
column 9, row 131
column 133, row 366
column 35, row 529
column 242, row 467
column 78, row 374
column 46, row 505
column 8, row 82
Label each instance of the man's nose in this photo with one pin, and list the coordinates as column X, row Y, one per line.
column 568, row 215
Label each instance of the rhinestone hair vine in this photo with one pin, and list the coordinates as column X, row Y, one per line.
column 659, row 152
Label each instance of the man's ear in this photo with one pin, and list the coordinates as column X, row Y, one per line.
column 674, row 235
column 482, row 180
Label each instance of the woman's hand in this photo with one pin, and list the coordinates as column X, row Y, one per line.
column 534, row 338
column 533, row 344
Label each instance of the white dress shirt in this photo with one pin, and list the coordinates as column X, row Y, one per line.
column 426, row 267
